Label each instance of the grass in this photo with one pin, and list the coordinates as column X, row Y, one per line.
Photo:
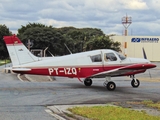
column 150, row 103
column 111, row 113
column 2, row 62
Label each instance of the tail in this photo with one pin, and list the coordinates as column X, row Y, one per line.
column 18, row 53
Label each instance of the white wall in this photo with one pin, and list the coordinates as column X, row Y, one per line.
column 151, row 45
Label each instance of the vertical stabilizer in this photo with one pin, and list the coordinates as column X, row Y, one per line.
column 18, row 53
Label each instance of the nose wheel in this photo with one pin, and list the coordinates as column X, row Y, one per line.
column 135, row 82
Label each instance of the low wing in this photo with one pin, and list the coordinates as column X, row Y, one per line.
column 125, row 70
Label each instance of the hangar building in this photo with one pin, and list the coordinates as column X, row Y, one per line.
column 132, row 46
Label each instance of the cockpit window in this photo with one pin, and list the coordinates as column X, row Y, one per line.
column 96, row 58
column 110, row 57
column 122, row 57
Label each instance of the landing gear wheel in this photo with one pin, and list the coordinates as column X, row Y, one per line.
column 111, row 86
column 88, row 82
column 135, row 83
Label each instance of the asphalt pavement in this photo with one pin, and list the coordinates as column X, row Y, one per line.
column 21, row 100
column 30, row 100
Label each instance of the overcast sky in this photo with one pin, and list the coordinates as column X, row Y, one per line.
column 103, row 14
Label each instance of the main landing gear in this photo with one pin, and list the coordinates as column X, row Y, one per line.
column 110, row 85
column 88, row 82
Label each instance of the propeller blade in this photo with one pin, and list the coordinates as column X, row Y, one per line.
column 145, row 57
column 149, row 74
column 144, row 54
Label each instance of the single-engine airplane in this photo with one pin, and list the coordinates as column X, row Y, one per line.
column 85, row 65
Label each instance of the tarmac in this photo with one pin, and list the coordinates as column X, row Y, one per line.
column 61, row 112
column 35, row 78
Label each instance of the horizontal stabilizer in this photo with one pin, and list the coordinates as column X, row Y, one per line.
column 21, row 69
column 8, row 68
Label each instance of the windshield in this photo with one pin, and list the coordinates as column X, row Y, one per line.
column 122, row 57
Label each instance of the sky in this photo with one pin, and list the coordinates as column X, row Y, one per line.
column 102, row 14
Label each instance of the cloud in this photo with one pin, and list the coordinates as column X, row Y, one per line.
column 135, row 4
column 154, row 4
column 102, row 14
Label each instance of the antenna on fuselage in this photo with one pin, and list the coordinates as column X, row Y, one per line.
column 50, row 53
column 68, row 48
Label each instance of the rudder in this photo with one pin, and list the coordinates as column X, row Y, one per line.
column 18, row 53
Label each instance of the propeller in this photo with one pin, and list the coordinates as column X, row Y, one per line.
column 145, row 57
column 144, row 53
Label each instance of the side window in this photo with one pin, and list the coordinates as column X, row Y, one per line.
column 96, row 58
column 110, row 57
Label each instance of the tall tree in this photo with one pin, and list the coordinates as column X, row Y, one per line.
column 42, row 36
column 102, row 42
column 77, row 39
column 4, row 31
column 30, row 25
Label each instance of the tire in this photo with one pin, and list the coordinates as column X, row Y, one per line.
column 111, row 86
column 135, row 84
column 87, row 82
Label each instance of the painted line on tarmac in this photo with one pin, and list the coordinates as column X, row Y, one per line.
column 54, row 115
column 18, row 76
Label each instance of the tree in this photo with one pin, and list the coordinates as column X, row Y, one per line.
column 30, row 25
column 42, row 36
column 102, row 42
column 77, row 39
column 4, row 31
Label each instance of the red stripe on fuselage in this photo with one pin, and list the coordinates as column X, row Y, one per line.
column 81, row 72
column 65, row 72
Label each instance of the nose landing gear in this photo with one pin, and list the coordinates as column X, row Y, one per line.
column 135, row 82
